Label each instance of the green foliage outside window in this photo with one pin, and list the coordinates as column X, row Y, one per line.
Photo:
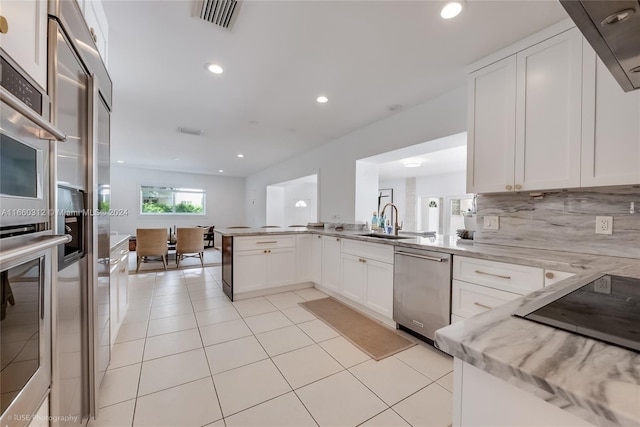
column 172, row 201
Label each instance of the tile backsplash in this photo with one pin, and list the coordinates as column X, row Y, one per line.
column 565, row 220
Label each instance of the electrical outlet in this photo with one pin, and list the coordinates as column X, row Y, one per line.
column 602, row 285
column 604, row 225
column 491, row 222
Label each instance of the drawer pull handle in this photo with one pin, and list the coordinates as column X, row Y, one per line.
column 549, row 275
column 123, row 270
column 362, row 260
column 113, row 261
column 482, row 305
column 415, row 322
column 124, row 252
column 337, row 239
column 491, row 274
column 264, row 243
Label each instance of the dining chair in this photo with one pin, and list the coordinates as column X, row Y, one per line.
column 190, row 241
column 151, row 242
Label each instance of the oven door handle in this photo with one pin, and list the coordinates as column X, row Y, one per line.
column 13, row 102
column 31, row 248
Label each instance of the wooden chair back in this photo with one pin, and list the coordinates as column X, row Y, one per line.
column 151, row 241
column 190, row 240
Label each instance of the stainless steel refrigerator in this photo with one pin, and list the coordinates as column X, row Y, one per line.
column 80, row 91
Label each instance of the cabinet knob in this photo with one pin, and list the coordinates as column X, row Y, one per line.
column 4, row 25
column 508, row 187
column 337, row 239
column 518, row 187
column 549, row 275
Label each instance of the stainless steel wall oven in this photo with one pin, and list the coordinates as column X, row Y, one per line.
column 27, row 244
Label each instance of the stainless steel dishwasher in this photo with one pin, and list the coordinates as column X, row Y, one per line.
column 422, row 290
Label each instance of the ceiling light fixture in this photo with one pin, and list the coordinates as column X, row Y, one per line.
column 120, row 161
column 451, row 9
column 322, row 99
column 214, row 68
column 412, row 163
column 240, row 156
column 220, row 170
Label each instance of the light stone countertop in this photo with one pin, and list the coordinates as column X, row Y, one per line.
column 117, row 239
column 591, row 379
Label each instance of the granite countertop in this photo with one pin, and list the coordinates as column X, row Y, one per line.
column 593, row 380
column 117, row 239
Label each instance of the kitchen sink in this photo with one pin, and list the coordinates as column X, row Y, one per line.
column 386, row 236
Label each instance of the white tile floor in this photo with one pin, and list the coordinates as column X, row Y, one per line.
column 187, row 356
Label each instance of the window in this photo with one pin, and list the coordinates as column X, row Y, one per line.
column 171, row 201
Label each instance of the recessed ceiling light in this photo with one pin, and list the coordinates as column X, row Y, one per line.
column 214, row 68
column 240, row 156
column 451, row 9
column 412, row 163
column 220, row 170
column 322, row 99
column 119, row 161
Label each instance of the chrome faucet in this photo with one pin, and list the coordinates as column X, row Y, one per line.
column 396, row 227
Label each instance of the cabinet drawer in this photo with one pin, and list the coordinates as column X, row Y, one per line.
column 514, row 278
column 469, row 299
column 263, row 242
column 376, row 251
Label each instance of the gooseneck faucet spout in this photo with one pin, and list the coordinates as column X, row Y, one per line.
column 396, row 227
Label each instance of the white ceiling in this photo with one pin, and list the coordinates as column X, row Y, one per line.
column 437, row 157
column 278, row 57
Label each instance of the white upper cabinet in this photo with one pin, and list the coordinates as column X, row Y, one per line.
column 492, row 127
column 611, row 128
column 524, row 125
column 96, row 20
column 548, row 114
column 26, row 37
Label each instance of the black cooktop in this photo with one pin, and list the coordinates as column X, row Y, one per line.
column 606, row 308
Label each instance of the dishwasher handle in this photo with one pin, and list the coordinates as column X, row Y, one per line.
column 429, row 258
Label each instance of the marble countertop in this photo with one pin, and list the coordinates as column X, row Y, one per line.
column 570, row 262
column 591, row 379
column 117, row 239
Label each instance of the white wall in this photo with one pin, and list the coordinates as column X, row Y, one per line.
column 335, row 162
column 366, row 191
column 225, row 198
column 275, row 205
column 451, row 184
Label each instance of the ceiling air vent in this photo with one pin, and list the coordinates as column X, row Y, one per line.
column 220, row 12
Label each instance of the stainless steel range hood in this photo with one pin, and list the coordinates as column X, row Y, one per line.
column 612, row 27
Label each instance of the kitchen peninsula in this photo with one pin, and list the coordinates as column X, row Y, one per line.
column 586, row 378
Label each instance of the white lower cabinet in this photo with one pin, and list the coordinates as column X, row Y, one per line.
column 263, row 262
column 477, row 395
column 354, row 276
column 304, row 257
column 367, row 275
column 316, row 259
column 332, row 263
column 118, row 287
column 479, row 285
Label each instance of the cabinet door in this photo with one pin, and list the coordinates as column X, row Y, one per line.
column 491, row 127
column 113, row 299
column 331, row 263
column 249, row 270
column 353, row 277
column 611, row 128
column 304, row 257
column 548, row 120
column 26, row 38
column 379, row 287
column 123, row 284
column 316, row 259
column 281, row 266
column 96, row 20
